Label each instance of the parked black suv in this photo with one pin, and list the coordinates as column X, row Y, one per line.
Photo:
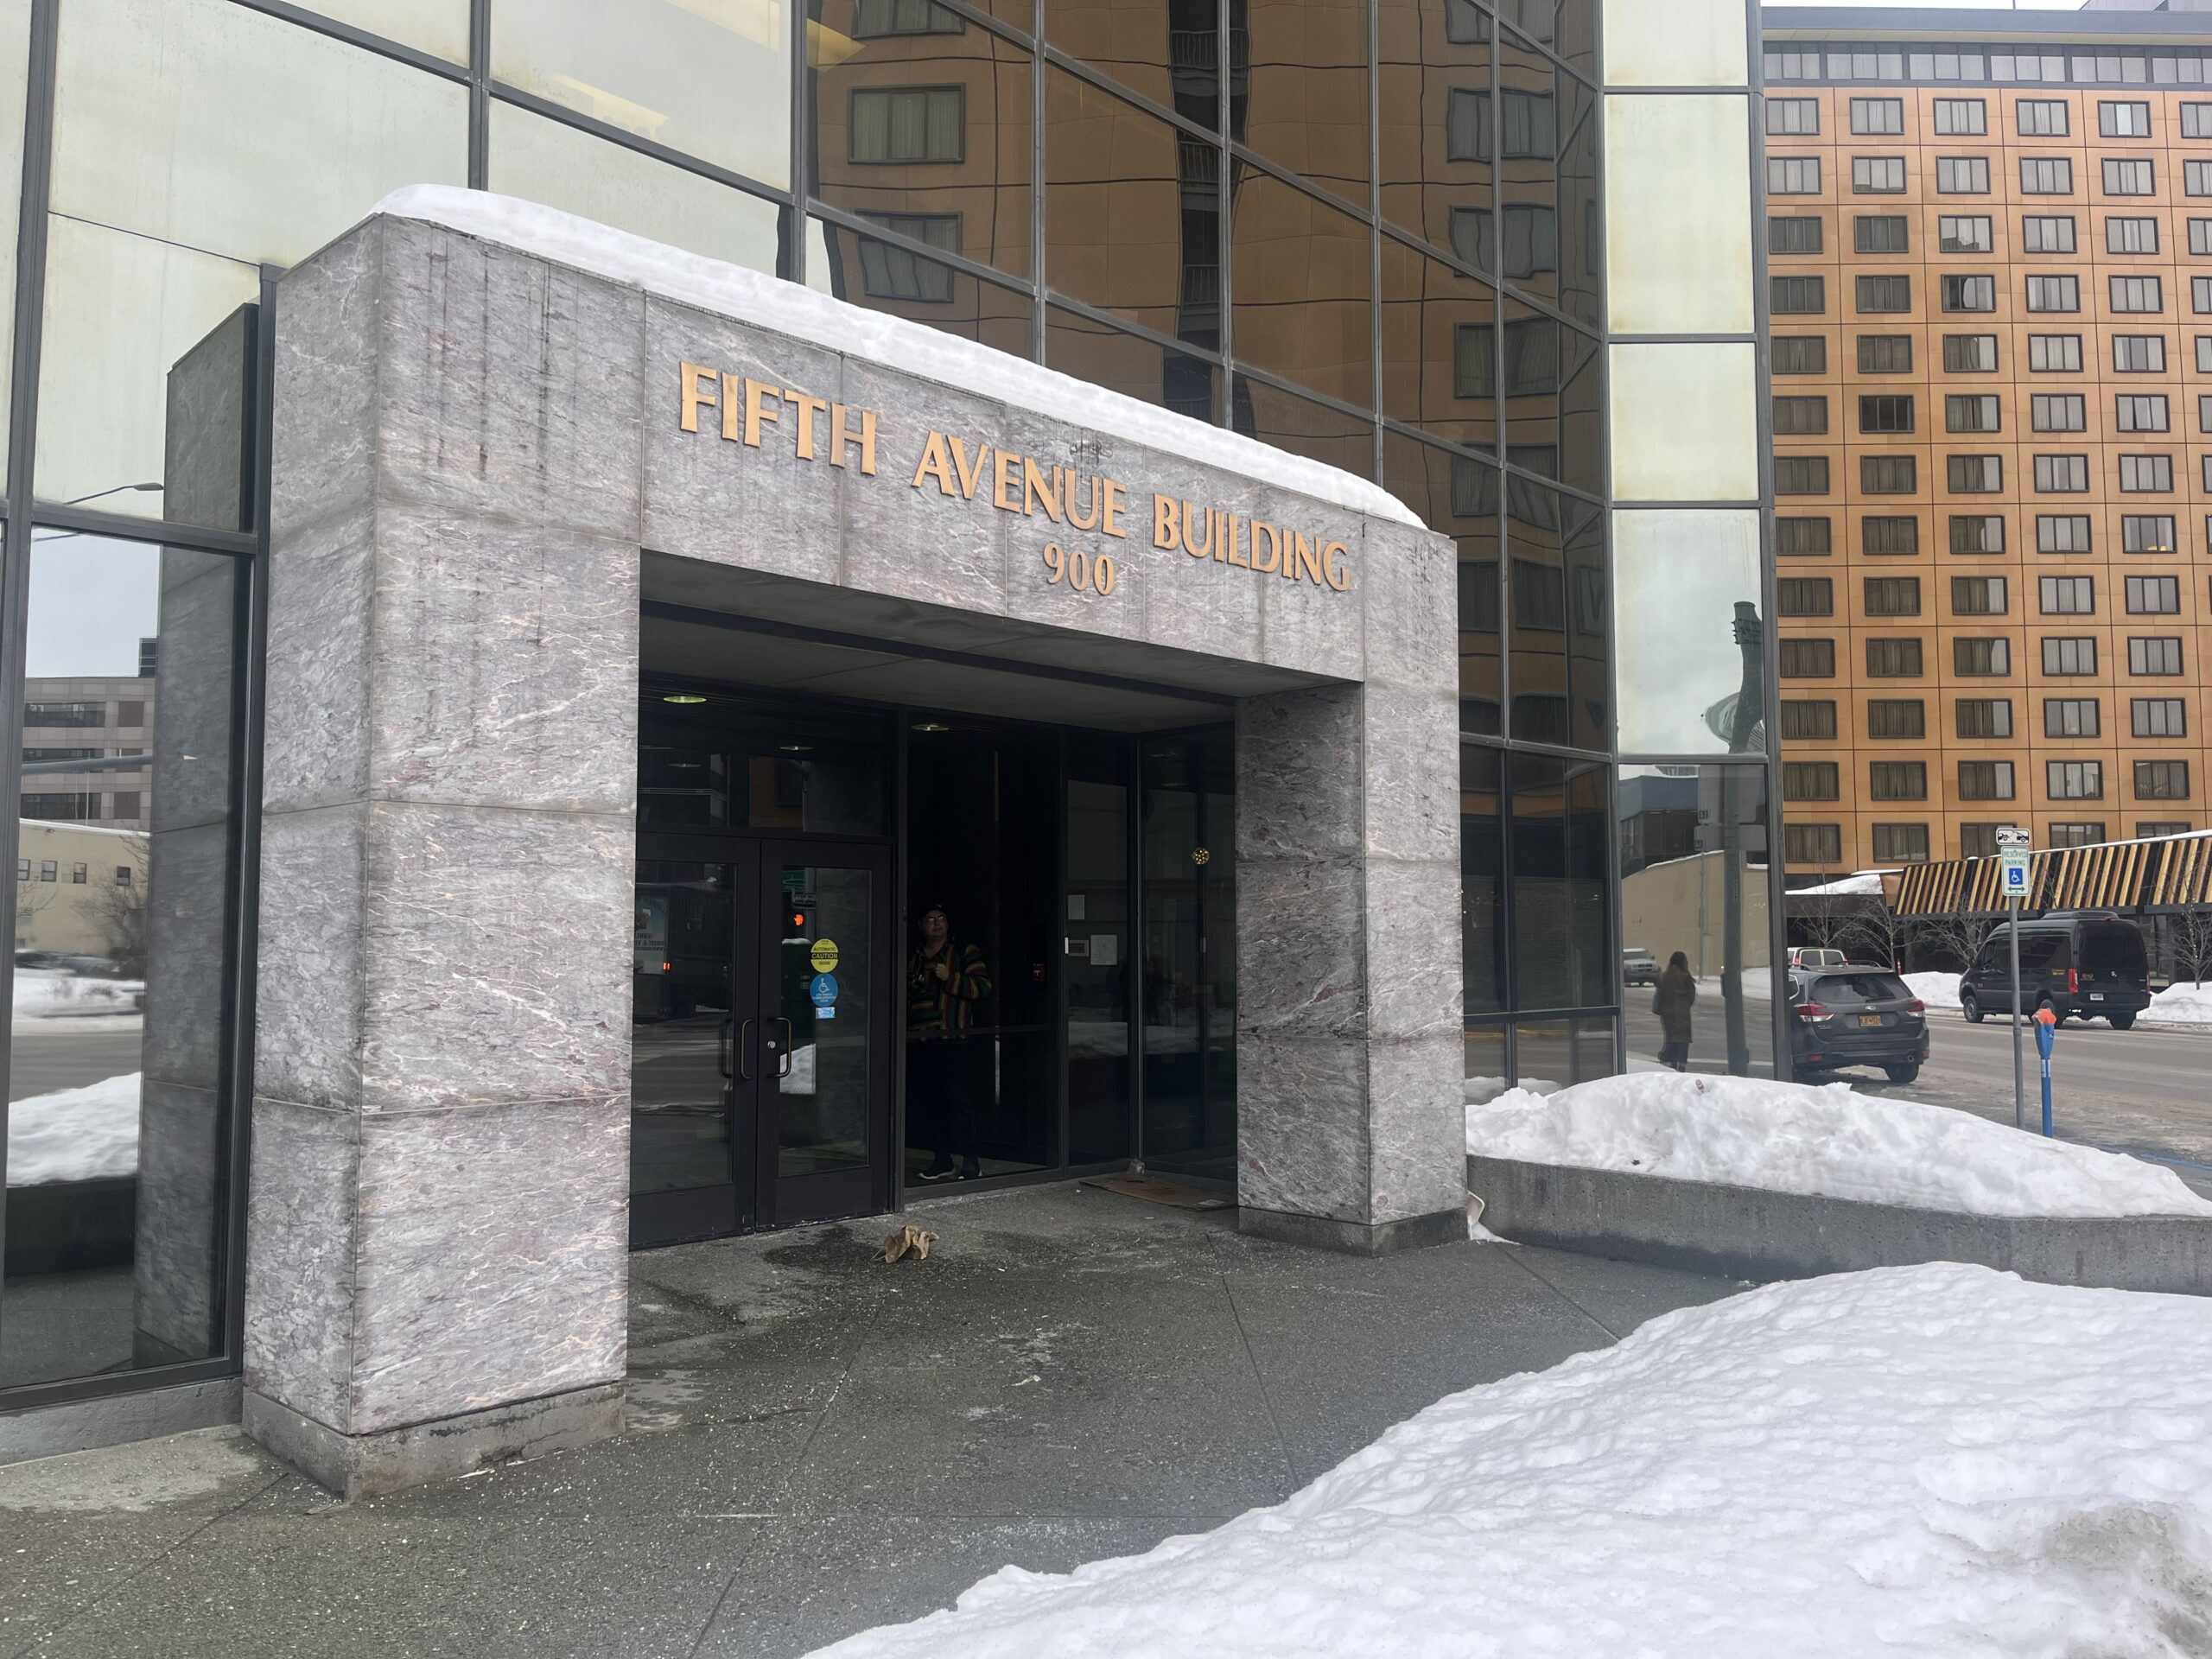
column 1855, row 1016
column 2078, row 964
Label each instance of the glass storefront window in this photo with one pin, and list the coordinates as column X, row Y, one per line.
column 1437, row 127
column 885, row 276
column 713, row 760
column 1301, row 279
column 1305, row 427
column 1686, row 587
column 1694, row 848
column 1439, row 348
column 119, row 1127
column 563, row 166
column 1458, row 495
column 1556, row 601
column 438, row 26
column 1550, row 1054
column 1140, row 368
column 1168, row 51
column 929, row 133
column 1100, row 1076
column 1190, row 953
column 1482, row 877
column 1677, row 259
column 713, row 81
column 1684, row 423
column 1560, row 884
column 1304, row 98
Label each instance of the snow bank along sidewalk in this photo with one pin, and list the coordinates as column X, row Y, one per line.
column 1938, row 1461
column 1793, row 1137
column 89, row 1133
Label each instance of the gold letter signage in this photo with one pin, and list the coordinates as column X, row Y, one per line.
column 958, row 469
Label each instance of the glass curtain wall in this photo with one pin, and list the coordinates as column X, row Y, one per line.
column 1361, row 230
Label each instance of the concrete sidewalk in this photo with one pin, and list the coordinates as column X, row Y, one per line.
column 820, row 1443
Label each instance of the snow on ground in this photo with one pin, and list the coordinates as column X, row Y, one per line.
column 75, row 1135
column 1935, row 1460
column 1936, row 990
column 44, row 994
column 1478, row 1091
column 1794, row 1137
column 790, row 309
column 2185, row 1004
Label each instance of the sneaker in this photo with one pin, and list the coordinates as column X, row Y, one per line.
column 936, row 1173
column 973, row 1173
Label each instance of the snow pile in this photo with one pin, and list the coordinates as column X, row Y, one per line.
column 2185, row 1004
column 1866, row 882
column 45, row 995
column 1793, row 1137
column 1936, row 990
column 75, row 1135
column 1480, row 1092
column 1936, row 1460
column 793, row 309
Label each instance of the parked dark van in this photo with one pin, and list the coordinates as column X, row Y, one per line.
column 2078, row 964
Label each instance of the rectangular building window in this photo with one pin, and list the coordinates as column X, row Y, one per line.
column 1811, row 780
column 2196, row 179
column 1878, row 176
column 1968, row 354
column 1807, row 720
column 2041, row 118
column 1880, row 233
column 2069, row 595
column 2123, row 120
column 2047, row 233
column 1964, row 233
column 907, row 125
column 1978, row 596
column 1977, row 532
column 2147, row 474
column 1901, row 844
column 2140, row 412
column 2200, row 236
column 1966, row 411
column 2156, row 829
column 1886, row 354
column 1808, row 659
column 2053, row 293
column 1888, row 474
column 2162, row 780
column 1885, row 413
column 1793, row 176
column 2062, row 475
column 1892, row 595
column 2158, row 716
column 1881, row 296
column 2154, row 654
column 1981, row 657
column 2204, row 354
column 2075, row 655
column 1805, row 596
column 1962, row 176
column 1986, row 781
column 2131, row 235
column 1804, row 537
column 2137, row 295
column 891, row 272
column 1969, row 293
column 2139, row 353
column 2075, row 780
column 2063, row 532
column 2054, row 354
column 1974, row 474
column 1793, row 115
column 1885, row 537
column 1466, row 125
column 1897, row 780
column 877, row 19
column 1800, row 417
column 1817, row 844
column 1799, row 353
column 1893, row 659
column 1876, row 115
column 47, row 714
column 1896, row 718
column 1801, row 474
column 2153, row 595
column 1986, row 717
column 2058, row 411
column 2146, row 533
column 2196, row 120
column 1796, row 234
column 2127, row 177
column 2071, row 717
column 2041, row 175
column 1797, row 296
column 2076, row 834
column 1961, row 118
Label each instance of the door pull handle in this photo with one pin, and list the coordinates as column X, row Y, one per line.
column 744, row 1042
column 784, row 1057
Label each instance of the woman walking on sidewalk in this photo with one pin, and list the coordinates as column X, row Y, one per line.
column 1671, row 1001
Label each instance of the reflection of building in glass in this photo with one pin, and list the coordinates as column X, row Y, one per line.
column 106, row 719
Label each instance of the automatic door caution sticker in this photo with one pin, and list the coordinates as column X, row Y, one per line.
column 824, row 955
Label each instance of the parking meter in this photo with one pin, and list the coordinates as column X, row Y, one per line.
column 2046, row 1036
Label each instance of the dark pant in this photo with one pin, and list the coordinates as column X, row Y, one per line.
column 940, row 1110
column 1676, row 1054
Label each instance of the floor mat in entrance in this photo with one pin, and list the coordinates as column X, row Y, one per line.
column 1153, row 1190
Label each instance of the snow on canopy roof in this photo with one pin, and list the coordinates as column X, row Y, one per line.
column 1864, row 881
column 793, row 309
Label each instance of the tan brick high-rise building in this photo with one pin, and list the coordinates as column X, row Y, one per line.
column 1990, row 286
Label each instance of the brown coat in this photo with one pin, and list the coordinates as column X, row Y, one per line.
column 1671, row 1001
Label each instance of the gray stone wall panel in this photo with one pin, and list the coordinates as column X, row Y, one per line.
column 301, row 1219
column 1298, row 775
column 1300, row 969
column 1409, row 751
column 315, row 746
column 324, row 432
column 1412, row 579
column 1302, row 1144
column 186, row 935
column 1412, row 945
column 1418, row 1125
column 311, row 966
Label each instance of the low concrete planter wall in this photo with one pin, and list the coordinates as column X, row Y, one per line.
column 1746, row 1233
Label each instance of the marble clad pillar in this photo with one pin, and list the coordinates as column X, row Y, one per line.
column 1351, row 1130
column 438, row 1230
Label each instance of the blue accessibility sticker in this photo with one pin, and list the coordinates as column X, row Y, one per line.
column 823, row 990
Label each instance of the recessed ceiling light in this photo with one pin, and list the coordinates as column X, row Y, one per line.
column 931, row 725
column 683, row 696
column 797, row 749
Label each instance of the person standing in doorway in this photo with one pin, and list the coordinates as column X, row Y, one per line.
column 1670, row 1000
column 945, row 979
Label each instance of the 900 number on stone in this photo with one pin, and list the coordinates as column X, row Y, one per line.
column 1082, row 570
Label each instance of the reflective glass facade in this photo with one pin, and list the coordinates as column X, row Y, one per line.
column 1370, row 232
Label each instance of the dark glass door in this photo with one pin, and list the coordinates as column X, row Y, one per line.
column 761, row 1036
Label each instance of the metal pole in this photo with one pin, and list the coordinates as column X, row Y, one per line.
column 2020, row 1086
